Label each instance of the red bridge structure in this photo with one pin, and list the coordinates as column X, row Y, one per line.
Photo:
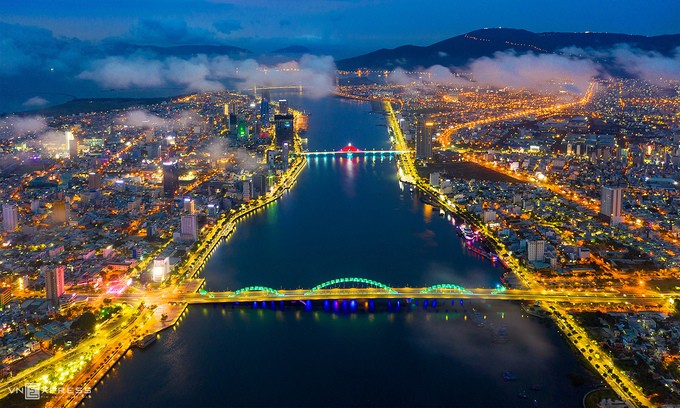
column 350, row 151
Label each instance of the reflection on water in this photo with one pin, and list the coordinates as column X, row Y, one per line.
column 347, row 217
column 442, row 355
column 427, row 213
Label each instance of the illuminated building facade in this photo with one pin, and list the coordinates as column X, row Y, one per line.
column 189, row 227
column 424, row 139
column 284, row 128
column 170, row 178
column 54, row 283
column 610, row 202
column 536, row 251
column 10, row 217
column 161, row 269
column 264, row 107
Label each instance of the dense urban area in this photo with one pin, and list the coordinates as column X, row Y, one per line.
column 574, row 193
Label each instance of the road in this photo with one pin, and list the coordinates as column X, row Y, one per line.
column 397, row 293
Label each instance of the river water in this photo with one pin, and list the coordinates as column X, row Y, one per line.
column 349, row 217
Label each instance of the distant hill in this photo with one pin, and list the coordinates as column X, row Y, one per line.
column 293, row 49
column 459, row 50
column 93, row 105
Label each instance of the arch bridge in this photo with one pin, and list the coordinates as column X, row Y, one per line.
column 362, row 288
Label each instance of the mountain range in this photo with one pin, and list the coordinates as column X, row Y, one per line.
column 459, row 50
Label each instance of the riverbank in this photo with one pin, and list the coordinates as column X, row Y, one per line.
column 575, row 335
column 157, row 319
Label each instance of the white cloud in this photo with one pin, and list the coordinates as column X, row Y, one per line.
column 650, row 66
column 36, row 101
column 146, row 120
column 542, row 72
column 201, row 73
column 17, row 126
column 136, row 71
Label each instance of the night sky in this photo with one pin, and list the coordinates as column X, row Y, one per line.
column 338, row 27
column 52, row 51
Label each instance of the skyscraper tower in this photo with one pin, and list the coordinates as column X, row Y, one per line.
column 610, row 203
column 264, row 107
column 10, row 217
column 424, row 130
column 242, row 131
column 189, row 227
column 283, row 106
column 284, row 129
column 94, row 180
column 285, row 152
column 170, row 177
column 536, row 251
column 72, row 146
column 54, row 283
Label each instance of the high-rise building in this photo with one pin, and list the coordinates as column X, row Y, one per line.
column 536, row 251
column 170, row 178
column 189, row 205
column 213, row 208
column 424, row 130
column 610, row 201
column 10, row 217
column 54, row 283
column 285, row 152
column 264, row 107
column 94, row 181
column 260, row 184
column 284, row 128
column 72, row 148
column 242, row 131
column 189, row 227
column 301, row 122
column 283, row 107
column 248, row 190
column 5, row 296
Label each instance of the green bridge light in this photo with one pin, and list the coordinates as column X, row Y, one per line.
column 256, row 289
column 446, row 287
column 351, row 280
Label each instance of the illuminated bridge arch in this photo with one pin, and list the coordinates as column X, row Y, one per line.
column 351, row 280
column 257, row 289
column 445, row 288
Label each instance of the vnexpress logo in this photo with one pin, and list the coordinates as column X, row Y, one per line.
column 32, row 391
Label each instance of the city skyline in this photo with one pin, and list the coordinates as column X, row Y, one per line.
column 488, row 217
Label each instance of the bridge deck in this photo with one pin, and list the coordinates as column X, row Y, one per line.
column 359, row 152
column 412, row 293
